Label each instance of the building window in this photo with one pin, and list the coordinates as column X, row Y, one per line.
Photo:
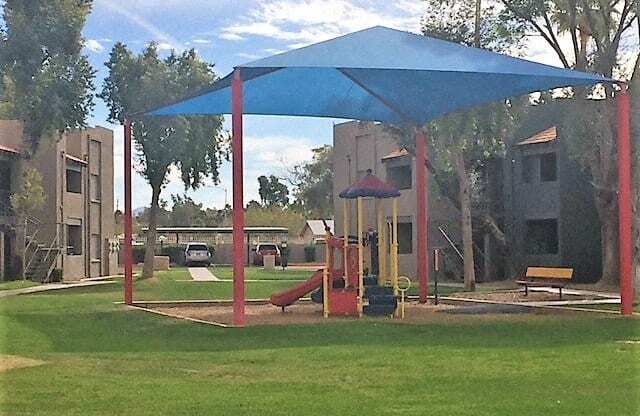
column 74, row 181
column 405, row 237
column 539, row 168
column 95, row 187
column 96, row 247
column 542, row 236
column 5, row 175
column 528, row 168
column 74, row 240
column 399, row 176
column 548, row 167
column 5, row 186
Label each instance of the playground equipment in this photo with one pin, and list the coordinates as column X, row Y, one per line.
column 343, row 291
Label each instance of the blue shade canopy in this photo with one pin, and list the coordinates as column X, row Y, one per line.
column 379, row 74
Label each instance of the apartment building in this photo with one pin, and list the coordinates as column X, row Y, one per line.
column 71, row 237
column 551, row 218
column 360, row 146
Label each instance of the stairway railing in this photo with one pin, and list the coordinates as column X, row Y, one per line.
column 54, row 247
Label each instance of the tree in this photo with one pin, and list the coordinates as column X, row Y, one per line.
column 463, row 142
column 30, row 195
column 596, row 30
column 186, row 212
column 313, row 184
column 272, row 191
column 45, row 79
column 272, row 216
column 195, row 147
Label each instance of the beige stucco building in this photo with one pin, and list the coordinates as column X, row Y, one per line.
column 73, row 232
column 360, row 146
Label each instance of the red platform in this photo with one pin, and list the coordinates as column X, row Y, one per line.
column 344, row 302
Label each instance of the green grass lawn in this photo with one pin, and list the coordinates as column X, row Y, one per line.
column 103, row 359
column 16, row 284
column 258, row 273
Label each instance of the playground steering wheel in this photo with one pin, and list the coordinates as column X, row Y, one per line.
column 402, row 290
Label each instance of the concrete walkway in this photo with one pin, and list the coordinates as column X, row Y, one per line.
column 50, row 286
column 577, row 292
column 202, row 274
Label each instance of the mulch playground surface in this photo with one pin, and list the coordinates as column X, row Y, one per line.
column 263, row 313
column 310, row 313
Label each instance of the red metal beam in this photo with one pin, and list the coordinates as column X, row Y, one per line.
column 422, row 210
column 624, row 203
column 128, row 226
column 238, row 204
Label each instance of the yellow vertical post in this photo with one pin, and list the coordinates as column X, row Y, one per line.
column 360, row 258
column 381, row 276
column 345, row 257
column 325, row 277
column 394, row 248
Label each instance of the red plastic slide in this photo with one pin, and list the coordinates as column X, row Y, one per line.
column 294, row 293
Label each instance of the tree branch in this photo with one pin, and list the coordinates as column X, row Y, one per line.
column 547, row 37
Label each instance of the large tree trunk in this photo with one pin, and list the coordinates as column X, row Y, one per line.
column 150, row 251
column 467, row 231
column 610, row 257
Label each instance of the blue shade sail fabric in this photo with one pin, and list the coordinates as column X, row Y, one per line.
column 379, row 74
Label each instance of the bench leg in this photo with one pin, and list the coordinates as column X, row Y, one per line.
column 526, row 290
column 560, row 289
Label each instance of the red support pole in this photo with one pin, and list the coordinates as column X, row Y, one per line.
column 624, row 203
column 422, row 187
column 128, row 226
column 238, row 204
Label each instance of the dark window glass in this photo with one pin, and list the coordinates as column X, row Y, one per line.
column 399, row 176
column 405, row 237
column 74, row 240
column 542, row 236
column 548, row 167
column 74, row 181
column 5, row 176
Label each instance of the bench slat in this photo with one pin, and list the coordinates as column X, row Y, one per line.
column 549, row 273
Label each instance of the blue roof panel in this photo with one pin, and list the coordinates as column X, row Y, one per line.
column 379, row 74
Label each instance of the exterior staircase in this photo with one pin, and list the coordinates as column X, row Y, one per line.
column 39, row 259
column 42, row 261
column 42, row 264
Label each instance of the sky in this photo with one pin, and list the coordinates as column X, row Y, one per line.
column 229, row 33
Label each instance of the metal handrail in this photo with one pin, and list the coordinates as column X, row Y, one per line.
column 444, row 234
column 51, row 248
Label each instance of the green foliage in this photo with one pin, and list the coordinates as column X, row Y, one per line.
column 313, row 183
column 186, row 212
column 273, row 216
column 454, row 20
column 30, row 195
column 195, row 146
column 46, row 81
column 272, row 191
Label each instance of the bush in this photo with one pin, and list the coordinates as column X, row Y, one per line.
column 310, row 253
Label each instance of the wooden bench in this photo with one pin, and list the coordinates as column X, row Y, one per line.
column 554, row 277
